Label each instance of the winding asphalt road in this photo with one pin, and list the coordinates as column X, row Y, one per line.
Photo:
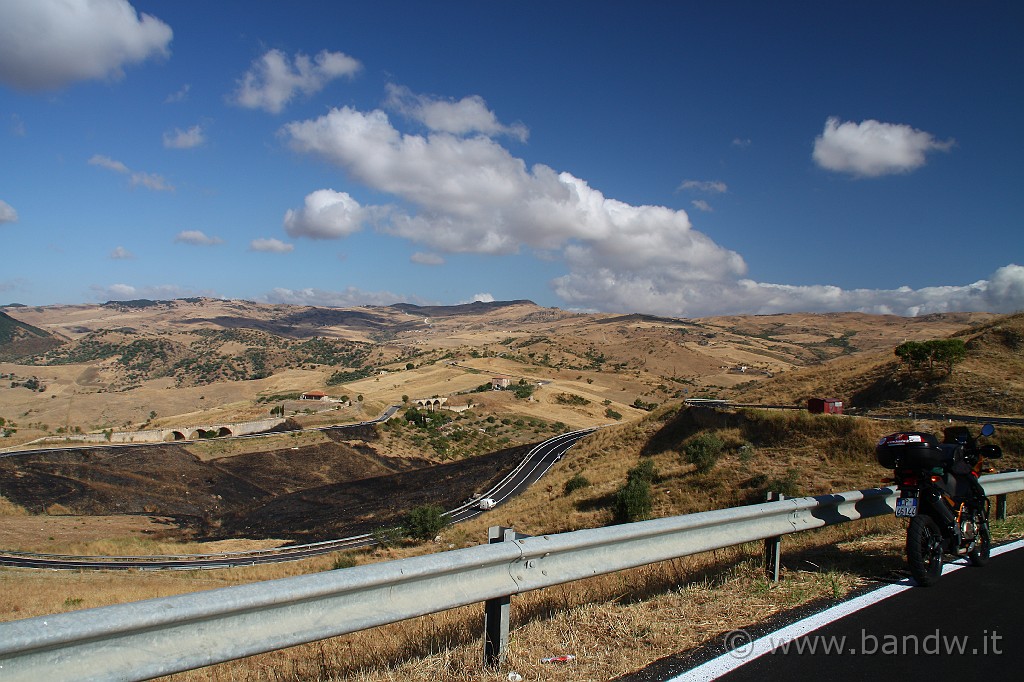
column 537, row 462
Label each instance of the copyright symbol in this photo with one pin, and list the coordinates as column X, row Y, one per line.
column 739, row 643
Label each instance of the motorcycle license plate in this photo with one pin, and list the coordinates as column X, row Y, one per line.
column 906, row 506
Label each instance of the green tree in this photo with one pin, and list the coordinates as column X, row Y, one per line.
column 912, row 353
column 523, row 389
column 426, row 521
column 918, row 355
column 948, row 352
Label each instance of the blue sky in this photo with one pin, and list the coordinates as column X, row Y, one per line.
column 681, row 159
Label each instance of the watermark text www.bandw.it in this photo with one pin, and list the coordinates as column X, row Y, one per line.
column 989, row 643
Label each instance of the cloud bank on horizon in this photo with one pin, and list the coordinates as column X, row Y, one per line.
column 454, row 185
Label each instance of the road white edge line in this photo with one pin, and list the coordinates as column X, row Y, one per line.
column 747, row 652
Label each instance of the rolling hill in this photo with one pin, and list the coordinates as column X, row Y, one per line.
column 20, row 340
column 139, row 364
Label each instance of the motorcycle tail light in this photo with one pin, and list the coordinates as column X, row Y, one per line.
column 936, row 479
column 906, row 479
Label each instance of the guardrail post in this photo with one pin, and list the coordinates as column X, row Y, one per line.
column 1001, row 507
column 773, row 547
column 496, row 610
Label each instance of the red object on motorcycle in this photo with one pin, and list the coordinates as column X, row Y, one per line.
column 906, row 478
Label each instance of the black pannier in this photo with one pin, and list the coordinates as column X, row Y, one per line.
column 911, row 449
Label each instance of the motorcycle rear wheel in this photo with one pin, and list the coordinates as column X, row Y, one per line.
column 924, row 550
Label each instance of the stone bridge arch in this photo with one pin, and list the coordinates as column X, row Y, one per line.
column 431, row 403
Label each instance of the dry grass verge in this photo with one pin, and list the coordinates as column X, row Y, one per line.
column 613, row 624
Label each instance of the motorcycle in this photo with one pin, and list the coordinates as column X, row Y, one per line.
column 939, row 492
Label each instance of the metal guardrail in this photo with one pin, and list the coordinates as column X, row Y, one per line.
column 912, row 414
column 172, row 634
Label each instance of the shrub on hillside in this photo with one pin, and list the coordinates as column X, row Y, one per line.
column 703, row 451
column 385, row 536
column 344, row 560
column 575, row 483
column 760, row 485
column 633, row 502
column 643, row 472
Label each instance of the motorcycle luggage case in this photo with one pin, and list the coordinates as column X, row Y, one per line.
column 911, row 449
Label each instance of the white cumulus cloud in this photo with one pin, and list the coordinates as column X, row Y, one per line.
column 184, row 139
column 871, row 148
column 7, row 213
column 108, row 163
column 270, row 245
column 151, row 181
column 1002, row 292
column 350, row 297
column 466, row 116
column 469, row 194
column 274, row 79
column 46, row 44
column 427, row 258
column 712, row 186
column 197, row 238
column 472, row 196
column 327, row 214
column 158, row 292
column 121, row 253
column 179, row 95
